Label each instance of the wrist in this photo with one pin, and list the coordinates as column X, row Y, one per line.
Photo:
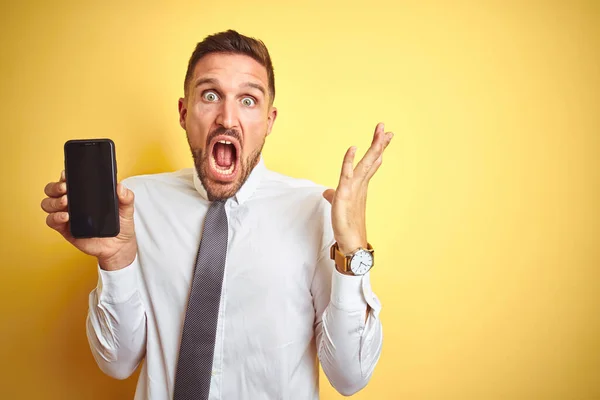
column 119, row 260
column 356, row 260
column 349, row 248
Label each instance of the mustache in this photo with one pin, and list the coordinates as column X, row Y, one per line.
column 226, row 132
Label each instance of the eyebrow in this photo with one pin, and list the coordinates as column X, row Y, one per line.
column 213, row 81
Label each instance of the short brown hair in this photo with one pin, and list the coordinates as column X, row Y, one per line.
column 232, row 42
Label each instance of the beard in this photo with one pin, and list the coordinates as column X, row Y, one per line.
column 217, row 190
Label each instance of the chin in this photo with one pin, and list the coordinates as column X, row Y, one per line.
column 219, row 190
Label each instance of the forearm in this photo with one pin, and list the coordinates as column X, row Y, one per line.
column 116, row 322
column 348, row 345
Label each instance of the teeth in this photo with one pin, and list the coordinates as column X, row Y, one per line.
column 222, row 171
column 224, row 142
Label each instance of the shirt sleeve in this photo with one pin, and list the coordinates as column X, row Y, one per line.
column 348, row 344
column 116, row 321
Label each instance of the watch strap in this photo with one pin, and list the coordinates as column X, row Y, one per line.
column 342, row 261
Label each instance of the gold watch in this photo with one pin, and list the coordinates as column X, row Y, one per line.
column 359, row 262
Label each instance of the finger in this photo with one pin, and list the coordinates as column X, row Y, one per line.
column 125, row 195
column 58, row 222
column 126, row 199
column 380, row 142
column 54, row 204
column 55, row 189
column 348, row 166
column 372, row 153
column 328, row 195
column 379, row 159
column 380, row 127
column 62, row 176
column 374, row 168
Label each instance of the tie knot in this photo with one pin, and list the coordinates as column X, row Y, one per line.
column 218, row 203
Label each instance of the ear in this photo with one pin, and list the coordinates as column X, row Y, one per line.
column 182, row 112
column 271, row 119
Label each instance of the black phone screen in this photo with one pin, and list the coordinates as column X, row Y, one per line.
column 90, row 169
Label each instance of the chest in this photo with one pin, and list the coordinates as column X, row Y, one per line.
column 270, row 257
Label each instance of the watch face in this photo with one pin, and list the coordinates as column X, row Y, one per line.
column 361, row 262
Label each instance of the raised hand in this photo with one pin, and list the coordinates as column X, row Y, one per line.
column 349, row 200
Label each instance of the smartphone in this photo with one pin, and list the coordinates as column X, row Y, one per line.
column 91, row 175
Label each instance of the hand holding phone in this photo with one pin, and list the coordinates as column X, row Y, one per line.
column 113, row 251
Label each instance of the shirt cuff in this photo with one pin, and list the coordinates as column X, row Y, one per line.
column 118, row 286
column 346, row 292
column 350, row 293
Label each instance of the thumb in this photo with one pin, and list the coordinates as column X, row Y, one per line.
column 126, row 198
column 328, row 195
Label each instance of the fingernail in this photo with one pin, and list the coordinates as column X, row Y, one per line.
column 62, row 174
column 122, row 190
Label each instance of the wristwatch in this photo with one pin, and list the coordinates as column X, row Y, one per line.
column 359, row 262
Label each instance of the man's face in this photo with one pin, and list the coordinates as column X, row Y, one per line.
column 227, row 117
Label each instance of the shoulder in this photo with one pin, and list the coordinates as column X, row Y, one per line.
column 278, row 184
column 165, row 182
column 296, row 195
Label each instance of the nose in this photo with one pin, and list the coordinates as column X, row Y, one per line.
column 228, row 117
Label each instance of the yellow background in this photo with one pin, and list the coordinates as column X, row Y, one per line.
column 485, row 213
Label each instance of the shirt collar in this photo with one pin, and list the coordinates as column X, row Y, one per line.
column 247, row 188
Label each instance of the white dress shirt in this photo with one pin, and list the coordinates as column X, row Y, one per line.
column 283, row 303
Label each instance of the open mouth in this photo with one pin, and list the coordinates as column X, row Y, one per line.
column 223, row 158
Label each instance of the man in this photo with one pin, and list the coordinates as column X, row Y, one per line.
column 280, row 278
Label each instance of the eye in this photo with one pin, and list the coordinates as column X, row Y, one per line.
column 210, row 96
column 248, row 101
